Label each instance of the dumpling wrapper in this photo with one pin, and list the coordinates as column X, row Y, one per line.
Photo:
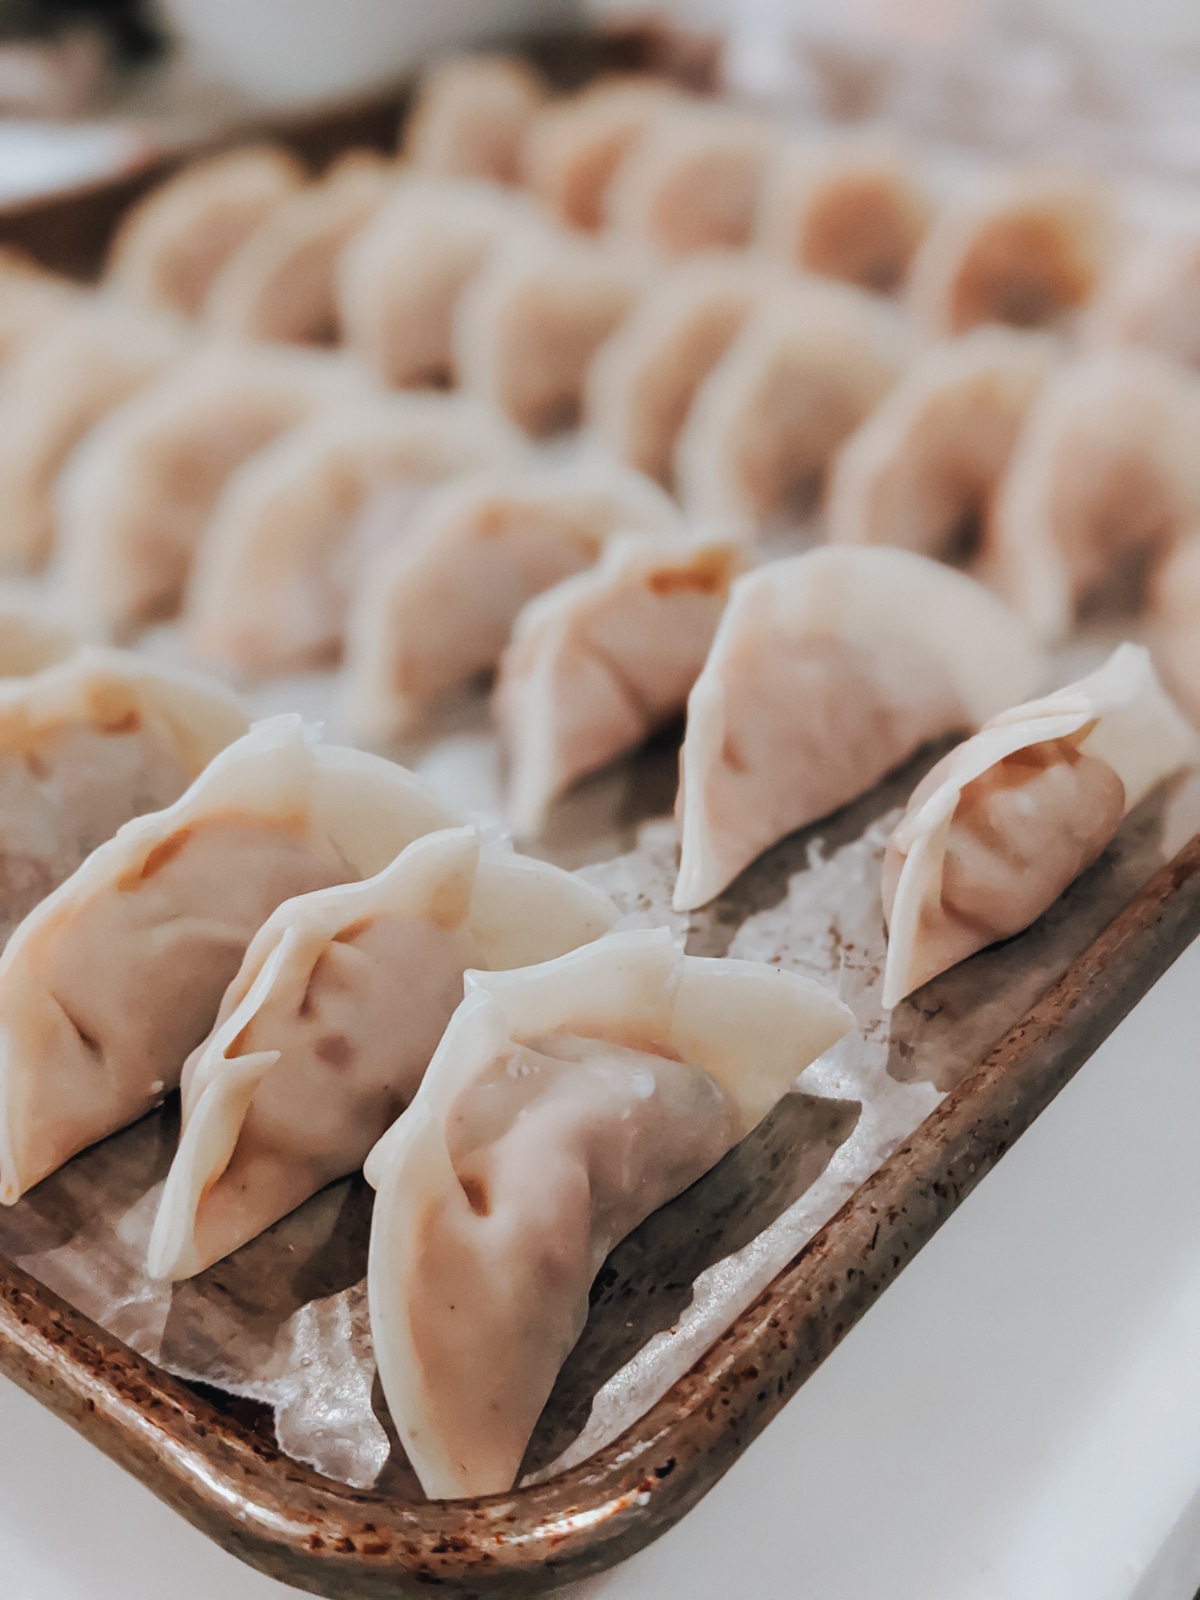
column 1104, row 478
column 172, row 243
column 1005, row 822
column 692, row 181
column 471, row 117
column 279, row 284
column 529, row 322
column 1027, row 249
column 829, row 670
column 80, row 363
column 574, row 146
column 644, row 377
column 604, row 659
column 436, row 607
column 134, row 498
column 399, row 279
column 32, row 636
column 564, row 1104
column 1173, row 613
column 107, row 987
column 1151, row 297
column 923, row 469
column 808, row 366
column 29, row 297
column 86, row 744
column 848, row 208
column 324, row 1035
column 280, row 558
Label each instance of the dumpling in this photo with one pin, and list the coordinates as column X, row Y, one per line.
column 435, row 608
column 133, row 499
column 279, row 284
column 529, row 322
column 86, row 359
column 471, row 116
column 828, row 670
column 281, row 555
column 324, row 1035
column 574, row 146
column 565, row 1103
column 86, row 744
column 1027, row 249
column 693, row 180
column 171, row 244
column 114, row 979
column 1173, row 607
column 399, row 279
column 805, row 370
column 29, row 296
column 644, row 377
column 1000, row 827
column 1151, row 297
column 32, row 637
column 924, row 467
column 847, row 208
column 1105, row 476
column 606, row 658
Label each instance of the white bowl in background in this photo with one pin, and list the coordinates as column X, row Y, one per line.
column 294, row 51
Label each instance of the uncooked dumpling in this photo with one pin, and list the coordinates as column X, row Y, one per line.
column 693, row 180
column 114, row 979
column 85, row 745
column 529, row 322
column 134, row 498
column 922, row 470
column 279, row 284
column 1151, row 297
column 171, row 244
column 32, row 636
column 574, row 146
column 847, row 208
column 436, row 608
column 29, row 296
column 565, row 1103
column 1026, row 250
column 400, row 278
column 828, row 670
column 805, row 370
column 1105, row 476
column 324, row 1035
column 642, row 382
column 1174, row 616
column 281, row 555
column 470, row 117
column 603, row 660
column 1001, row 826
column 63, row 377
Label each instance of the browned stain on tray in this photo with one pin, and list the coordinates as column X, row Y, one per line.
column 332, row 1540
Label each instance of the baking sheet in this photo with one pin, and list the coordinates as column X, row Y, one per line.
column 284, row 1321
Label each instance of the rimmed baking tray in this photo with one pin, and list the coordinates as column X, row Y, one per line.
column 234, row 1484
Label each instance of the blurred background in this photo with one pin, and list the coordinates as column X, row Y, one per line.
column 89, row 87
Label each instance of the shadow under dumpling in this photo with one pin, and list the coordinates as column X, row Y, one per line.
column 646, row 1282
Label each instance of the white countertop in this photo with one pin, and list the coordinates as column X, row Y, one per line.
column 1017, row 1419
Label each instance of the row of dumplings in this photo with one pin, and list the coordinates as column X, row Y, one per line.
column 288, row 942
column 729, row 380
column 251, row 246
column 1069, row 467
column 224, row 450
